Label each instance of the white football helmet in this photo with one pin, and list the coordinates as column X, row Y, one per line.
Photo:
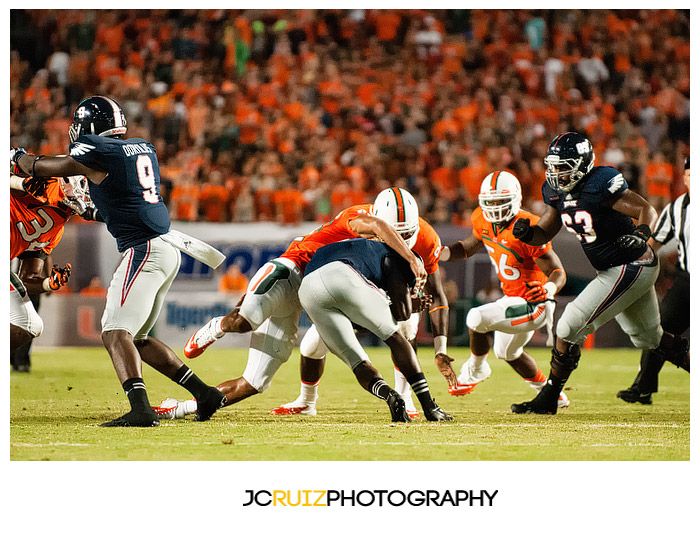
column 500, row 197
column 397, row 207
column 77, row 193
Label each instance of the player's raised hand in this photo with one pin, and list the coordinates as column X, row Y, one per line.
column 59, row 276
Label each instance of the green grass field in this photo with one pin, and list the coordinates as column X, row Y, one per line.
column 56, row 409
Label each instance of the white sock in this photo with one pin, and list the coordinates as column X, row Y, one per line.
column 401, row 386
column 478, row 360
column 309, row 393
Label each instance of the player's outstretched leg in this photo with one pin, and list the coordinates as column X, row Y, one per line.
column 370, row 379
column 402, row 387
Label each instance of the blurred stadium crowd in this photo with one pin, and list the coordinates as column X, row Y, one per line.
column 290, row 115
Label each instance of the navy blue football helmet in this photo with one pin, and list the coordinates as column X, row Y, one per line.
column 97, row 115
column 569, row 159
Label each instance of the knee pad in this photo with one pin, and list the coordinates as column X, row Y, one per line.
column 312, row 346
column 474, row 319
column 502, row 351
column 647, row 340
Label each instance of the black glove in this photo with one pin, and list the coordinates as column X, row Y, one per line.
column 636, row 239
column 522, row 230
column 36, row 186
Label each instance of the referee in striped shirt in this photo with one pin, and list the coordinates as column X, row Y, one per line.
column 674, row 222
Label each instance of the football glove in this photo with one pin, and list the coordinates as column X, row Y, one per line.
column 536, row 292
column 16, row 154
column 636, row 239
column 522, row 230
column 59, row 276
column 36, row 186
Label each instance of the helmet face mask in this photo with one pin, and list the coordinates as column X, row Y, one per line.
column 76, row 192
column 97, row 115
column 500, row 197
column 398, row 207
column 569, row 159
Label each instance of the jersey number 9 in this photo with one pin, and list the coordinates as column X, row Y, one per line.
column 144, row 169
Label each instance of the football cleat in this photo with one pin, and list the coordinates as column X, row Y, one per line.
column 633, row 395
column 437, row 414
column 209, row 403
column 397, row 407
column 136, row 419
column 545, row 403
column 171, row 408
column 297, row 407
column 563, row 401
column 204, row 337
column 410, row 407
column 469, row 377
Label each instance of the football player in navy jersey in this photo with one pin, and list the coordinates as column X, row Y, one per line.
column 125, row 188
column 595, row 203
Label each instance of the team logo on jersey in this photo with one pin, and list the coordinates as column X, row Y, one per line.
column 80, row 149
column 616, row 183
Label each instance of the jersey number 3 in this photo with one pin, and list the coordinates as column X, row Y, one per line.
column 144, row 169
column 583, row 218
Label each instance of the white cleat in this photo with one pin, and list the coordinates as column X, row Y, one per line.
column 171, row 408
column 204, row 337
column 563, row 401
column 298, row 407
column 469, row 377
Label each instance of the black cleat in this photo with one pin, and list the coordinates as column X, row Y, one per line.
column 398, row 408
column 437, row 414
column 141, row 419
column 209, row 403
column 680, row 355
column 545, row 403
column 633, row 395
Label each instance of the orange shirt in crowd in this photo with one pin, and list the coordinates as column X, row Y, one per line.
column 444, row 128
column 233, row 280
column 183, row 200
column 289, row 204
column 214, row 198
column 387, row 26
column 659, row 177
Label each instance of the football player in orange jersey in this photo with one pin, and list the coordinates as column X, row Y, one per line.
column 423, row 240
column 36, row 227
column 271, row 309
column 530, row 277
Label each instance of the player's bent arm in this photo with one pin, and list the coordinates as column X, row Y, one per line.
column 551, row 266
column 32, row 272
column 58, row 166
column 462, row 249
column 547, row 227
column 368, row 226
column 634, row 205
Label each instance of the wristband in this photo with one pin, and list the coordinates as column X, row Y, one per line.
column 46, row 285
column 440, row 343
column 644, row 231
column 16, row 183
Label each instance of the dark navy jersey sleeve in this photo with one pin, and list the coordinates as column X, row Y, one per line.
column 129, row 197
column 609, row 183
